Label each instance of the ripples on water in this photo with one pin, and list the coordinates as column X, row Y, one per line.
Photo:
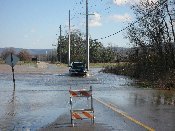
column 40, row 99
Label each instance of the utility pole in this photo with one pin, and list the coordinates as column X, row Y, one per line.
column 69, row 42
column 87, row 37
column 60, row 43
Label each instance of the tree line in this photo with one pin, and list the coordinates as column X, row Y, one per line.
column 152, row 56
column 24, row 55
column 153, row 38
column 97, row 51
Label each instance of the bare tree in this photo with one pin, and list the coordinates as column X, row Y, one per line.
column 7, row 51
column 153, row 35
column 24, row 55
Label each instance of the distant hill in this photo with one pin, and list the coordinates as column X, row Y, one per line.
column 31, row 51
column 39, row 51
column 122, row 51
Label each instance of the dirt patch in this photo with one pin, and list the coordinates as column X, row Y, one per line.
column 39, row 68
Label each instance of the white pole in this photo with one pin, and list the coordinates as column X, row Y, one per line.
column 88, row 54
column 87, row 37
column 60, row 44
column 69, row 42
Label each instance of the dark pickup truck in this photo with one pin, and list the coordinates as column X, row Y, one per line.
column 78, row 68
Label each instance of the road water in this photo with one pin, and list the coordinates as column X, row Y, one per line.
column 40, row 99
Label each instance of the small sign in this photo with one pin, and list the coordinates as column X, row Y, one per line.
column 11, row 60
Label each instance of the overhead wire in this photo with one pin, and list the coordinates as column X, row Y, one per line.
column 158, row 5
column 78, row 10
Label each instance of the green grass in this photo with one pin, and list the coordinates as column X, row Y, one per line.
column 2, row 62
column 101, row 65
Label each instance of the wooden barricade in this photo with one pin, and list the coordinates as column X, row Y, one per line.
column 81, row 113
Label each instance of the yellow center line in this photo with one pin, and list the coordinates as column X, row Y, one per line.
column 114, row 108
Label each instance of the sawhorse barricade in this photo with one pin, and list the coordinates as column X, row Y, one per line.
column 81, row 113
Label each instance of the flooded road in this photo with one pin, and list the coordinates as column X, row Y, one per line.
column 40, row 99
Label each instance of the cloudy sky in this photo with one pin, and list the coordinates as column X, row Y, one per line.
column 35, row 23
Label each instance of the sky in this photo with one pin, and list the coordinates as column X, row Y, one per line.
column 33, row 24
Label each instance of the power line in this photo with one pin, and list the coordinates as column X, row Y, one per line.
column 78, row 10
column 159, row 4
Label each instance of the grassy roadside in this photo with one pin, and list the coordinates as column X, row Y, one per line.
column 164, row 81
column 101, row 65
column 21, row 62
column 2, row 62
column 122, row 68
column 92, row 65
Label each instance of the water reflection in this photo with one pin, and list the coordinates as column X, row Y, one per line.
column 163, row 97
column 156, row 97
column 10, row 113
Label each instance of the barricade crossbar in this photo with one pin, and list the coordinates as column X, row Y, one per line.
column 80, row 114
column 80, row 93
